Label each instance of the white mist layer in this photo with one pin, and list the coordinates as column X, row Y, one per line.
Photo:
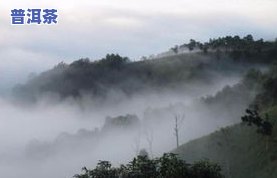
column 23, row 127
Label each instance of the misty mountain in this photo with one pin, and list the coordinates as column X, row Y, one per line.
column 109, row 109
column 225, row 106
column 84, row 139
column 116, row 73
column 225, row 56
column 240, row 149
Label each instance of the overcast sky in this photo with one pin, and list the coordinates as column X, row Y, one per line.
column 133, row 28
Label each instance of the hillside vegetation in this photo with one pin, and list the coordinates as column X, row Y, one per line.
column 240, row 149
column 203, row 64
column 201, row 83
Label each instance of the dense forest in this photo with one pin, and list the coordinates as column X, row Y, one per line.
column 238, row 48
column 98, row 78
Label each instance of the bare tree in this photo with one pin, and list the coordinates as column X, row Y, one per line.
column 178, row 121
column 149, row 138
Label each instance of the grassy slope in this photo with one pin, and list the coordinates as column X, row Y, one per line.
column 238, row 149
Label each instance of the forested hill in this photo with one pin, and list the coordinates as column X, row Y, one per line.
column 240, row 151
column 238, row 48
column 244, row 150
column 201, row 65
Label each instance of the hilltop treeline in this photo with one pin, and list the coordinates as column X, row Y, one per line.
column 238, row 48
column 115, row 73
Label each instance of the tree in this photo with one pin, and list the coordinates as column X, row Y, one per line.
column 103, row 170
column 248, row 38
column 170, row 166
column 167, row 166
column 143, row 152
column 175, row 49
column 141, row 167
column 178, row 120
column 205, row 47
column 114, row 61
column 192, row 44
column 264, row 126
column 205, row 169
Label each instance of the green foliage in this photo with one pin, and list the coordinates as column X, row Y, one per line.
column 102, row 170
column 239, row 149
column 252, row 117
column 268, row 95
column 238, row 48
column 111, row 74
column 167, row 166
column 205, row 169
column 141, row 167
column 238, row 95
column 192, row 44
column 114, row 61
column 116, row 73
column 171, row 166
column 253, row 79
